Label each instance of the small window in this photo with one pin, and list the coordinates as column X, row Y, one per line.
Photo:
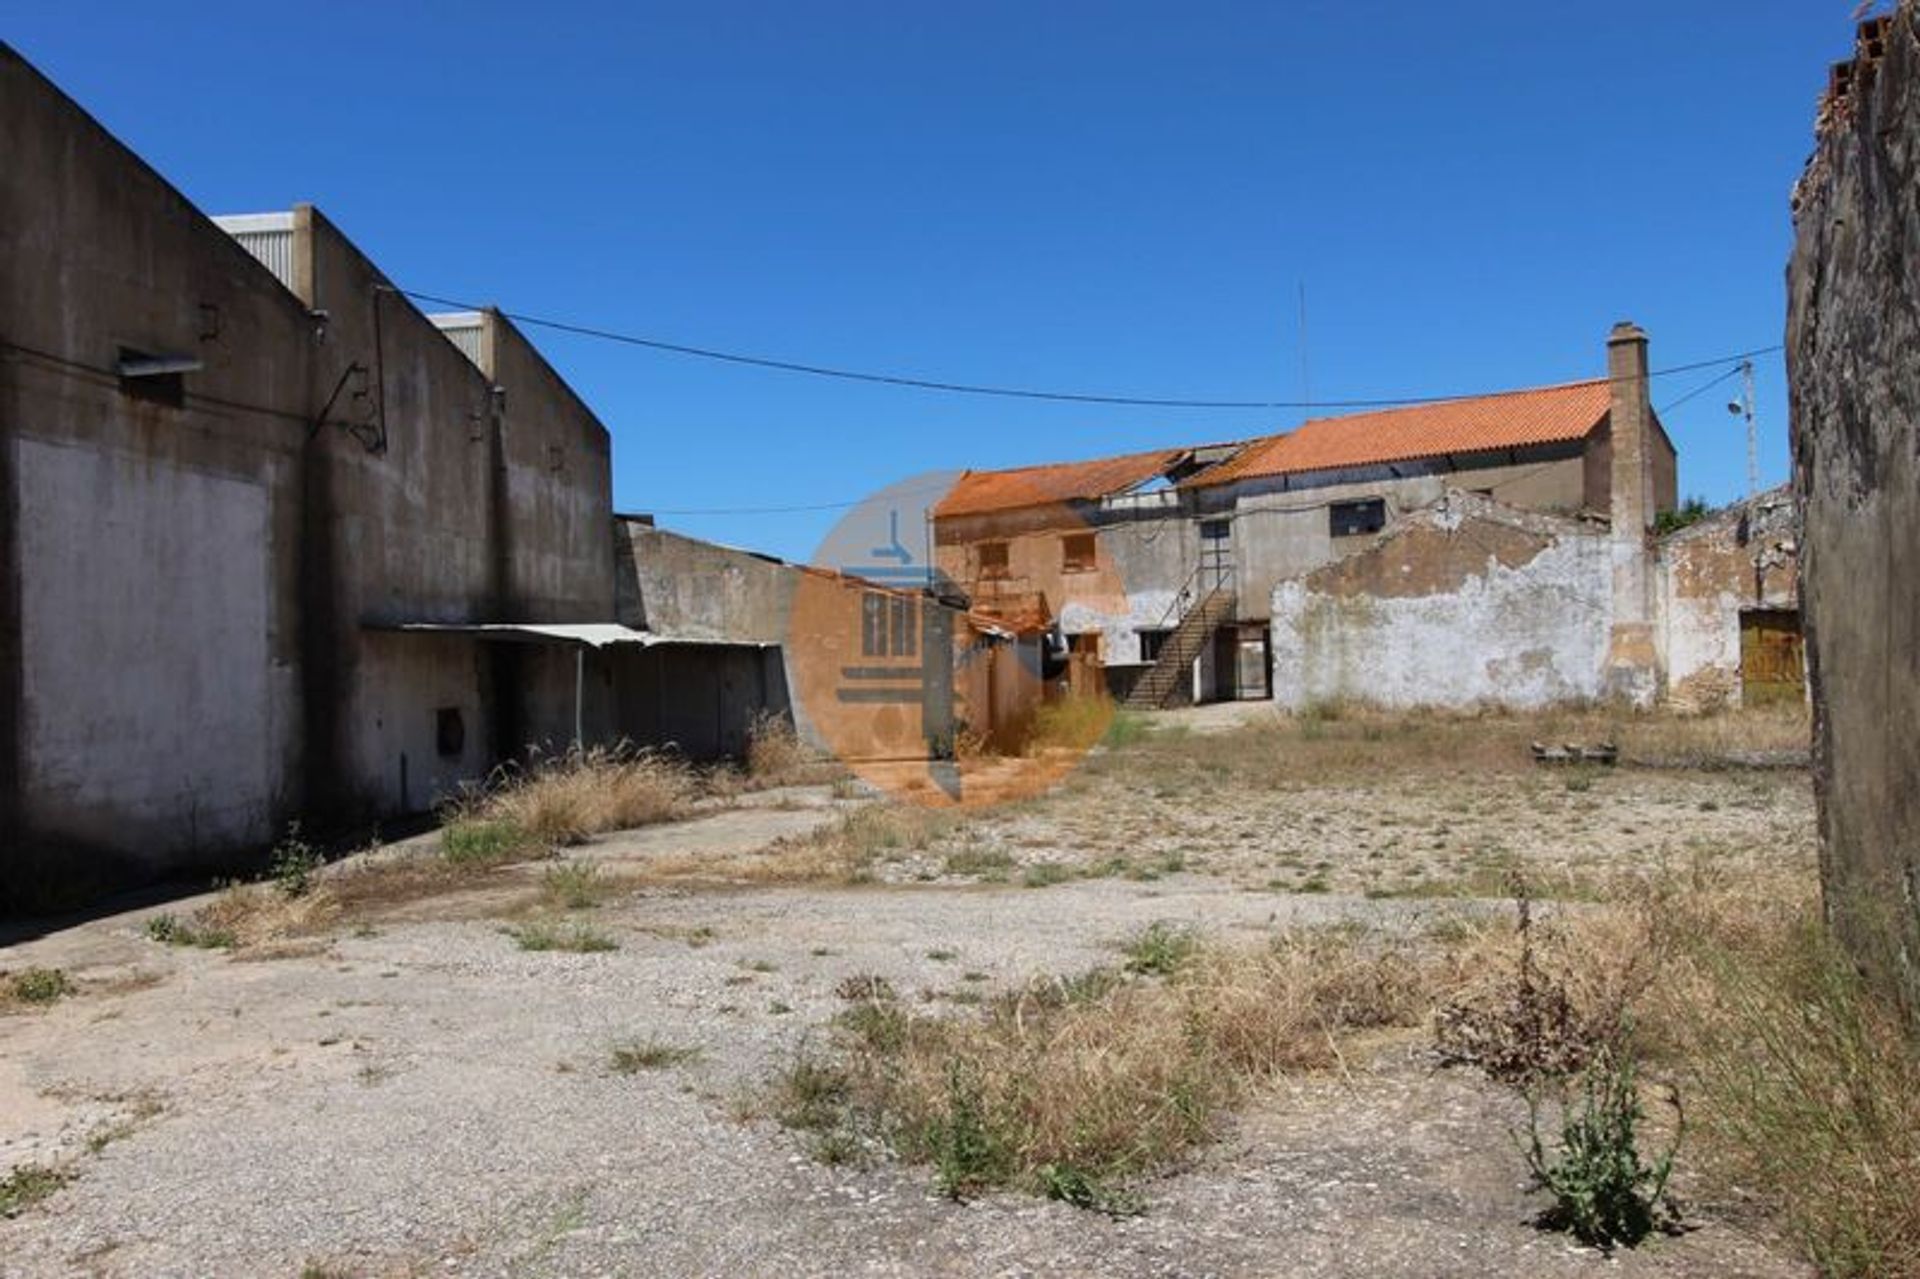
column 993, row 559
column 1077, row 553
column 146, row 377
column 1151, row 642
column 449, row 732
column 1215, row 530
column 1353, row 519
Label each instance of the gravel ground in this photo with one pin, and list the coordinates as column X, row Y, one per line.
column 423, row 1097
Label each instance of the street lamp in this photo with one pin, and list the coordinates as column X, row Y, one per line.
column 1743, row 407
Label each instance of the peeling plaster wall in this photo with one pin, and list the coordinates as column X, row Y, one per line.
column 1466, row 604
column 1707, row 574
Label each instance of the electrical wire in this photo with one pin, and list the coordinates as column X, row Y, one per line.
column 1702, row 389
column 1010, row 392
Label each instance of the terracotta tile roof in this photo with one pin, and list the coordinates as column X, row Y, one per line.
column 1512, row 419
column 977, row 492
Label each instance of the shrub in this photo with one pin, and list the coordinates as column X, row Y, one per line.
column 294, row 864
column 571, row 797
column 1602, row 1191
column 39, row 985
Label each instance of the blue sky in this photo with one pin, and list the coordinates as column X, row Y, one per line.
column 1116, row 197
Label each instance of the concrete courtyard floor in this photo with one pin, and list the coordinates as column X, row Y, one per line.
column 416, row 1095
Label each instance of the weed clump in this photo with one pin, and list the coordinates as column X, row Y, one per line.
column 573, row 885
column 543, row 935
column 171, row 930
column 1604, row 1194
column 651, row 1054
column 1075, row 1086
column 39, row 986
column 294, row 864
column 27, row 1185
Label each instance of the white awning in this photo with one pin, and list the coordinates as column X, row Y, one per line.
column 586, row 634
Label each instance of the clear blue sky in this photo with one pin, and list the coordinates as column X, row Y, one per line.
column 1115, row 197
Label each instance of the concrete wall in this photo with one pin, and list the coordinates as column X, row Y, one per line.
column 1708, row 574
column 1463, row 604
column 185, row 587
column 1853, row 328
column 683, row 587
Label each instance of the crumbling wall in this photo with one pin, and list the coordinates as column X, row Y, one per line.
column 1853, row 338
column 1745, row 557
column 1466, row 604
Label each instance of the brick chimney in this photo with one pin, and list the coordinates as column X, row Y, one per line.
column 1632, row 670
column 1630, row 415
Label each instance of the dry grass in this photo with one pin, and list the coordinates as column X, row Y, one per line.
column 1332, row 743
column 1074, row 1087
column 572, row 797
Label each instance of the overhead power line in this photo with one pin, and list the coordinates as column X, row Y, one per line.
column 1013, row 392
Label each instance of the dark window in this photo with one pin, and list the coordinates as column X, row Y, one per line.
column 1151, row 642
column 449, row 732
column 1215, row 530
column 1077, row 552
column 993, row 559
column 169, row 389
column 1350, row 519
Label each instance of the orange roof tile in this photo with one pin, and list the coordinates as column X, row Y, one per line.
column 977, row 492
column 1512, row 419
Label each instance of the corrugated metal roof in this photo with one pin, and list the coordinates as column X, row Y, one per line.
column 464, row 330
column 590, row 634
column 267, row 236
column 1512, row 419
column 977, row 492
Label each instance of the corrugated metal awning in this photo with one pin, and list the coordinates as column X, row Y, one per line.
column 586, row 634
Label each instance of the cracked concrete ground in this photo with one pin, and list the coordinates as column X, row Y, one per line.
column 421, row 1096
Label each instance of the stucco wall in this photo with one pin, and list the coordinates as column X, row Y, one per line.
column 1853, row 330
column 1463, row 604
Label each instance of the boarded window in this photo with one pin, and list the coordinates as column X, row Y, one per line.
column 1773, row 663
column 1354, row 519
column 1077, row 553
column 993, row 559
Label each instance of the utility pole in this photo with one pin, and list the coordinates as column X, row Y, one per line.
column 1743, row 407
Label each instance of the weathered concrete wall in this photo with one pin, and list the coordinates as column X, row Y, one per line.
column 1853, row 336
column 186, row 586
column 1707, row 575
column 681, row 586
column 1463, row 604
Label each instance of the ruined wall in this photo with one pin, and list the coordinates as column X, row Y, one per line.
column 1708, row 575
column 1853, row 334
column 1464, row 604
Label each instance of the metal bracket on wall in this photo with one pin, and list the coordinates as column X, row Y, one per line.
column 370, row 432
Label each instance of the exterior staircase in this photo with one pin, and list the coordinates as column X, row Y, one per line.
column 1153, row 689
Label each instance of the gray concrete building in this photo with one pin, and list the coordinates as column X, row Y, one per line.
column 234, row 463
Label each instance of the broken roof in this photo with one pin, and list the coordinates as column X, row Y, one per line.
column 977, row 492
column 1505, row 420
